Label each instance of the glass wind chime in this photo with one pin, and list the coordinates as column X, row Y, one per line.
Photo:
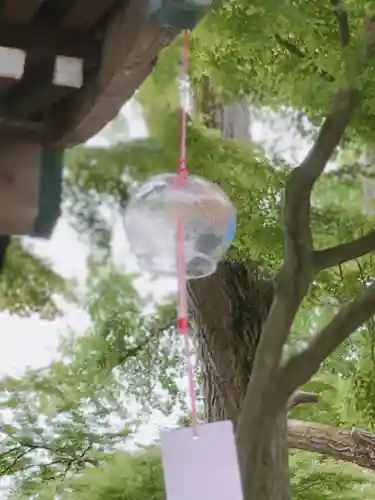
column 181, row 225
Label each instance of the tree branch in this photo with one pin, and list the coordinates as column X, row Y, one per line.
column 258, row 411
column 300, row 398
column 342, row 18
column 269, row 387
column 298, row 268
column 301, row 367
column 329, row 137
column 10, row 467
column 295, row 51
column 345, row 252
column 5, row 241
column 330, row 441
column 290, row 47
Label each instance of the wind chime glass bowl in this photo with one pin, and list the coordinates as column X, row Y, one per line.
column 152, row 214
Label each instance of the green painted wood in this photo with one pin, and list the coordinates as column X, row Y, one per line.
column 50, row 192
column 182, row 14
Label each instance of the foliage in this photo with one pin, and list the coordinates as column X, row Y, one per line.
column 125, row 342
column 282, row 55
column 54, row 422
column 122, row 477
column 323, row 479
column 286, row 54
column 256, row 57
column 28, row 284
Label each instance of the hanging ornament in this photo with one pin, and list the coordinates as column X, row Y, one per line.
column 163, row 202
column 151, row 218
column 180, row 224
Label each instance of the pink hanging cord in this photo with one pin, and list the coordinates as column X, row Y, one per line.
column 183, row 320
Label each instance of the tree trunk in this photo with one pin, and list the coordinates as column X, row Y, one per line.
column 230, row 308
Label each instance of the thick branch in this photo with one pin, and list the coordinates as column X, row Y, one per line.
column 329, row 137
column 340, row 254
column 290, row 47
column 294, row 278
column 262, row 403
column 259, row 411
column 301, row 398
column 342, row 18
column 301, row 367
column 330, row 441
column 295, row 51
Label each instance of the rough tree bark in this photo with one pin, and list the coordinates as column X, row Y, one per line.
column 230, row 308
column 356, row 446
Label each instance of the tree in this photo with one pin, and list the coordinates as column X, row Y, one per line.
column 123, row 476
column 57, row 420
column 296, row 242
column 236, row 278
column 62, row 432
column 27, row 283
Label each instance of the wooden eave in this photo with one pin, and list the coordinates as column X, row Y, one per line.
column 115, row 41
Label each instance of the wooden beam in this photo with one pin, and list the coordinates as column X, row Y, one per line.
column 28, row 125
column 41, row 37
column 53, row 81
column 48, row 76
column 52, row 11
column 19, row 11
column 21, row 155
column 131, row 44
column 12, row 64
column 86, row 13
column 35, row 98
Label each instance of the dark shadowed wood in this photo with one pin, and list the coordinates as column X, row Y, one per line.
column 116, row 42
column 86, row 13
column 6, row 84
column 37, row 91
column 35, row 126
column 130, row 47
column 19, row 11
column 29, row 95
column 35, row 98
column 4, row 244
column 49, row 39
column 52, row 11
column 21, row 156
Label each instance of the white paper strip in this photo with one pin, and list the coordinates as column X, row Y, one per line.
column 185, row 94
column 205, row 468
column 12, row 62
column 68, row 72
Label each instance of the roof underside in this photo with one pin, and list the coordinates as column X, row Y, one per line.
column 78, row 62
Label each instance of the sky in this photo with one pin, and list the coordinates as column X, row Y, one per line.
column 32, row 342
column 41, row 337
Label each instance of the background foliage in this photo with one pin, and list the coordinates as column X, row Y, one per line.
column 66, row 426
